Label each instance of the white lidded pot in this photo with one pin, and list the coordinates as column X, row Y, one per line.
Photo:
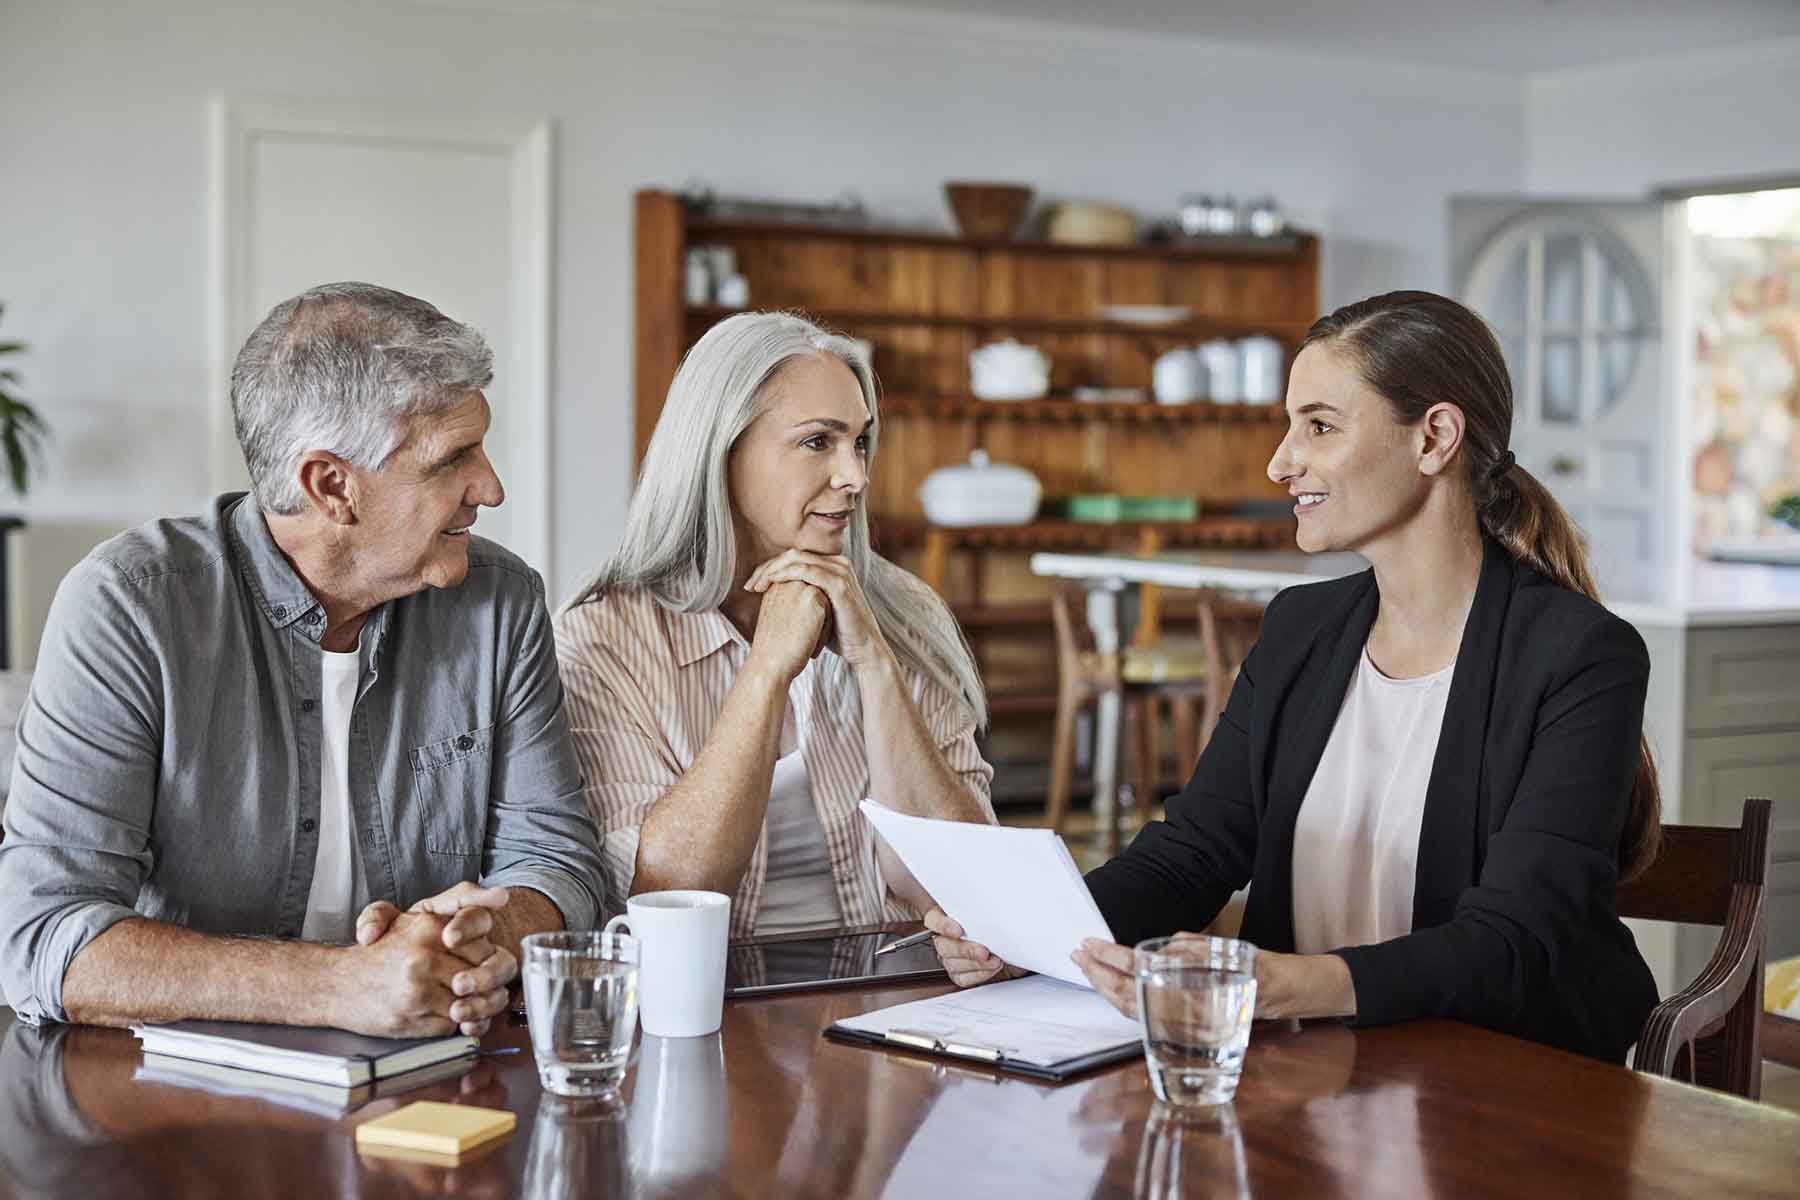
column 980, row 492
column 1009, row 370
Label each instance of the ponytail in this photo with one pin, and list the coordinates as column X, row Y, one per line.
column 1419, row 349
column 1520, row 513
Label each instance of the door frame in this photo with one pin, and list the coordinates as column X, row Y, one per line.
column 527, row 143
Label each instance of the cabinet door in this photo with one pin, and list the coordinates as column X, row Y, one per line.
column 1743, row 678
column 1718, row 773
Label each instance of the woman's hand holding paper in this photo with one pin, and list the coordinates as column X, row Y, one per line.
column 1112, row 969
column 1287, row 985
column 968, row 963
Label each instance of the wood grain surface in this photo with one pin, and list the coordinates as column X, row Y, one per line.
column 769, row 1108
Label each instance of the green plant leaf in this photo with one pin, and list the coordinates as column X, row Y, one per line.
column 11, row 347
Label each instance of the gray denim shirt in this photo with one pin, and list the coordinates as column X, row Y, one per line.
column 170, row 752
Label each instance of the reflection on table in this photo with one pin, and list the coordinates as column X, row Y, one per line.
column 767, row 1107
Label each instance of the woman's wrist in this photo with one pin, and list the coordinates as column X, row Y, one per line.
column 1337, row 987
column 875, row 663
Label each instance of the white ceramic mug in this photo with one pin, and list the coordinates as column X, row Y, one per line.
column 681, row 964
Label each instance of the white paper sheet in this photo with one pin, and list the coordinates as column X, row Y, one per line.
column 1041, row 1021
column 1016, row 891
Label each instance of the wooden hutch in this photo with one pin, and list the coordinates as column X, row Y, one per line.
column 926, row 300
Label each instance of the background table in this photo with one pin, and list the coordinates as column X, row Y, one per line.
column 769, row 1108
column 1113, row 582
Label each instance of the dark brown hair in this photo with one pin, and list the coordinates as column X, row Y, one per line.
column 1418, row 349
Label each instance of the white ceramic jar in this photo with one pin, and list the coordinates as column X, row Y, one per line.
column 980, row 492
column 1178, row 377
column 1262, row 358
column 1224, row 379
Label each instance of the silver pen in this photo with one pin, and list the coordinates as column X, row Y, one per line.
column 907, row 942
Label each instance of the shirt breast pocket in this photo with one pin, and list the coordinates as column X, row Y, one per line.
column 450, row 788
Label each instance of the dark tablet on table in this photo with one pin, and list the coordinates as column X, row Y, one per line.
column 802, row 963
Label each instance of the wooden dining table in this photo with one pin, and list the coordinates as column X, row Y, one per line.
column 769, row 1108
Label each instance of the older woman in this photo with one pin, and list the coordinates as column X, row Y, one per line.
column 746, row 669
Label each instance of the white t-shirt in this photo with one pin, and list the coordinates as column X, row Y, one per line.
column 1356, row 839
column 799, row 891
column 331, row 906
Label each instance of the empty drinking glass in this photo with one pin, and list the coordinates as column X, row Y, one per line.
column 581, row 1004
column 1196, row 996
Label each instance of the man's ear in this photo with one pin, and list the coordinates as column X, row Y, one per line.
column 329, row 485
column 1441, row 437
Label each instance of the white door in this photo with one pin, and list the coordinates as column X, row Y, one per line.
column 1575, row 292
column 454, row 213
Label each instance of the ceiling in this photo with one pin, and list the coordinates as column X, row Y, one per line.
column 1513, row 37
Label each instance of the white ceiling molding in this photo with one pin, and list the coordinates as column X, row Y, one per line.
column 981, row 36
column 1669, row 70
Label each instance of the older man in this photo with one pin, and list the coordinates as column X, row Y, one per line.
column 254, row 736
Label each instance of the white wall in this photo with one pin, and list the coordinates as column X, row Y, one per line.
column 103, row 147
column 1699, row 118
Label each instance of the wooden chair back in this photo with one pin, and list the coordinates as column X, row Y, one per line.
column 1229, row 626
column 1709, row 1032
column 1068, row 617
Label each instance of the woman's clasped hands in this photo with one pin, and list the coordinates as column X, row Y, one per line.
column 845, row 618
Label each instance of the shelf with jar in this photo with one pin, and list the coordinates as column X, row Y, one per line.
column 1106, row 319
column 1132, row 406
column 1178, row 329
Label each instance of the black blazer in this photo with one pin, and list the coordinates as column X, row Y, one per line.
column 1514, row 921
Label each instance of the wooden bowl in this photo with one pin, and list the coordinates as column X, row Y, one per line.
column 988, row 212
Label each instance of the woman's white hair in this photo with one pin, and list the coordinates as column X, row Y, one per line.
column 680, row 544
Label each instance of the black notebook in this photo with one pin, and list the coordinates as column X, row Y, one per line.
column 321, row 1055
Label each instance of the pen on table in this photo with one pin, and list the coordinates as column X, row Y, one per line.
column 910, row 940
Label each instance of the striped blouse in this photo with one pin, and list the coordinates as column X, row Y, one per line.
column 644, row 686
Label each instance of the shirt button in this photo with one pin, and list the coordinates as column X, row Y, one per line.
column 280, row 610
column 308, row 825
column 465, row 743
column 307, row 706
column 314, row 617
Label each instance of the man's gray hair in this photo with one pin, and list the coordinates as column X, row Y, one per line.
column 345, row 368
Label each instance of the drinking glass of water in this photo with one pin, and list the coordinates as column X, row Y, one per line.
column 581, row 1003
column 1196, row 996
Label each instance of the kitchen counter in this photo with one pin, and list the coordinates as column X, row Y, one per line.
column 1724, row 593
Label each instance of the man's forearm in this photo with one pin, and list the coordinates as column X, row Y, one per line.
column 527, row 911
column 143, row 971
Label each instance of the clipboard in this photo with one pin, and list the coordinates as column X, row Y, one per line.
column 1037, row 1027
column 992, row 1056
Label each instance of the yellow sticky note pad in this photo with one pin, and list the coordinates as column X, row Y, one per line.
column 433, row 1128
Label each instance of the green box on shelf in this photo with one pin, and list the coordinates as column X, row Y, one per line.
column 1107, row 507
